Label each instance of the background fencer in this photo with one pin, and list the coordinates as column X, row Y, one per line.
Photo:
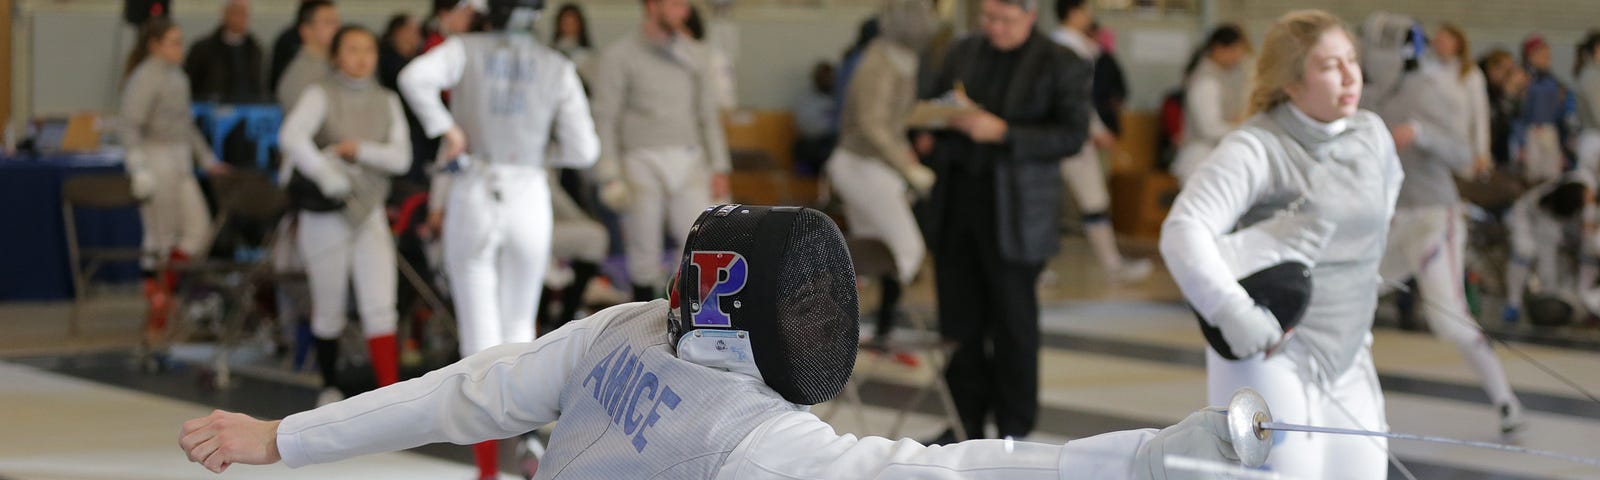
column 348, row 136
column 874, row 170
column 659, row 125
column 765, row 297
column 1431, row 124
column 1309, row 168
column 1542, row 223
column 162, row 142
column 1082, row 171
column 509, row 94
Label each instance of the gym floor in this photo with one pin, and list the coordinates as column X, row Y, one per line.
column 1115, row 357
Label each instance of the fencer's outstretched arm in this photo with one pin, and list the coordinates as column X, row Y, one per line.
column 797, row 445
column 424, row 79
column 498, row 393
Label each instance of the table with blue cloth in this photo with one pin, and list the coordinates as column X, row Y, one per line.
column 35, row 265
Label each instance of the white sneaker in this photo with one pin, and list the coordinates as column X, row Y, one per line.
column 1510, row 418
column 1132, row 271
column 329, row 395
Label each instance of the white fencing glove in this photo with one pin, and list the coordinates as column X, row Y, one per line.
column 141, row 184
column 617, row 195
column 1248, row 328
column 920, row 177
column 1202, row 436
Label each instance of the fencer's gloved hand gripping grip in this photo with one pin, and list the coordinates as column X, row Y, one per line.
column 1272, row 260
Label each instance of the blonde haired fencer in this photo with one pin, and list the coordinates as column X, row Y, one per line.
column 509, row 96
column 163, row 148
column 874, row 170
column 349, row 136
column 1308, row 178
column 1083, row 172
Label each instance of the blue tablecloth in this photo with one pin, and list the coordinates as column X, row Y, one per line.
column 33, row 252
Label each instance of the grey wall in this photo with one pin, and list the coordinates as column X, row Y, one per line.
column 70, row 59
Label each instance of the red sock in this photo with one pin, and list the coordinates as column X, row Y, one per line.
column 384, row 359
column 159, row 299
column 488, row 456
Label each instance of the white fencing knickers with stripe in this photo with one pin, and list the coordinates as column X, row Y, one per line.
column 670, row 187
column 876, row 206
column 496, row 249
column 337, row 255
column 175, row 215
column 1296, row 388
column 1427, row 243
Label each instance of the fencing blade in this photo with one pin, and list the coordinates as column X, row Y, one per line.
column 1250, row 421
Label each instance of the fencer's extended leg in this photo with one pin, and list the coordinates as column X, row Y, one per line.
column 325, row 240
column 1086, row 179
column 642, row 227
column 374, row 276
column 523, row 259
column 1444, row 305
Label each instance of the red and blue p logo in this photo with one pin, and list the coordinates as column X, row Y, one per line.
column 718, row 274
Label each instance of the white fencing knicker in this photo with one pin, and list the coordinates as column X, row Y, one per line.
column 496, row 249
column 175, row 216
column 671, row 186
column 876, row 206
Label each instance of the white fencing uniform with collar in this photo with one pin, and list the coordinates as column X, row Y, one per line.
column 508, row 93
column 351, row 245
column 1346, row 172
column 656, row 414
column 714, row 383
column 163, row 149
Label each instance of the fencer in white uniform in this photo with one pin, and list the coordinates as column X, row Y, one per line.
column 164, row 148
column 1309, row 177
column 1083, row 172
column 874, row 171
column 1431, row 115
column 1214, row 95
column 509, row 95
column 1588, row 72
column 349, row 136
column 716, row 383
column 1551, row 225
column 656, row 111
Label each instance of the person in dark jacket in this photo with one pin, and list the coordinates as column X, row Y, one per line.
column 990, row 220
column 226, row 65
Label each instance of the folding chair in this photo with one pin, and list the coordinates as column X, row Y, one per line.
column 244, row 195
column 873, row 259
column 104, row 191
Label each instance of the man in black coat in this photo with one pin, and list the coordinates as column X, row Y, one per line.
column 991, row 219
column 226, row 66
